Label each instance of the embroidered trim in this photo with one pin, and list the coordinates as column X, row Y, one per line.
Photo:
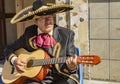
column 57, row 50
column 31, row 43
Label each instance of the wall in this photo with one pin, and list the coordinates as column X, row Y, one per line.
column 11, row 34
column 104, row 27
column 77, row 20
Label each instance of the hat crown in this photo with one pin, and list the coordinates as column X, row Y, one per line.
column 38, row 3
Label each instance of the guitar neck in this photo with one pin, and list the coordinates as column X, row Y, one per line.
column 41, row 62
column 85, row 59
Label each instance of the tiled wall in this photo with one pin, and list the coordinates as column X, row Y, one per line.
column 104, row 27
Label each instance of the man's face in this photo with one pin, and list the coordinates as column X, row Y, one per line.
column 45, row 23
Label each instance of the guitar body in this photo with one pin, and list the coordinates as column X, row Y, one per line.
column 36, row 73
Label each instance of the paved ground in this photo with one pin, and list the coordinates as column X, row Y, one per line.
column 99, row 82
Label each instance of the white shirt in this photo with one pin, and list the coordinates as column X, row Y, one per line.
column 39, row 32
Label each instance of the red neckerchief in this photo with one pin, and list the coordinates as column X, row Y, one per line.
column 44, row 40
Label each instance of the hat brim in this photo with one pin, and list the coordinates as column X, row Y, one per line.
column 28, row 13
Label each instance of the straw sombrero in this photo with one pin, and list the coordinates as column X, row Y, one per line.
column 39, row 8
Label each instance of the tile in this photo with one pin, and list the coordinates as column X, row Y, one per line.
column 95, row 82
column 114, row 70
column 99, row 28
column 99, row 10
column 100, row 71
column 115, row 9
column 114, row 28
column 100, row 47
column 115, row 49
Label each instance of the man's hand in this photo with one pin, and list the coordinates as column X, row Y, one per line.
column 19, row 65
column 71, row 63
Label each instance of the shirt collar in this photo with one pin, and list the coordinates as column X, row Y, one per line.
column 39, row 32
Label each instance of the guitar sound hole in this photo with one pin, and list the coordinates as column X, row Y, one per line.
column 30, row 63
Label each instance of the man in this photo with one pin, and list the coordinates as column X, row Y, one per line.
column 35, row 38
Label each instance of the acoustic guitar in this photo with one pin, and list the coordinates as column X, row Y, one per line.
column 38, row 65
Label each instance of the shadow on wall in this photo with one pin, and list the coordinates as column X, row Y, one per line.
column 102, row 1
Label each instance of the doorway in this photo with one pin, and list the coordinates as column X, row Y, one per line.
column 4, row 16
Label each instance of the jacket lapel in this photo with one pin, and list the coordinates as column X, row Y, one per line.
column 56, row 34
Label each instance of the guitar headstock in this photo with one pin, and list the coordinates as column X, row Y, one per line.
column 88, row 59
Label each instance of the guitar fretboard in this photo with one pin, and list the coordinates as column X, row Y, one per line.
column 41, row 62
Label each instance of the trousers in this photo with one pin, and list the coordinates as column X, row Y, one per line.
column 53, row 79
